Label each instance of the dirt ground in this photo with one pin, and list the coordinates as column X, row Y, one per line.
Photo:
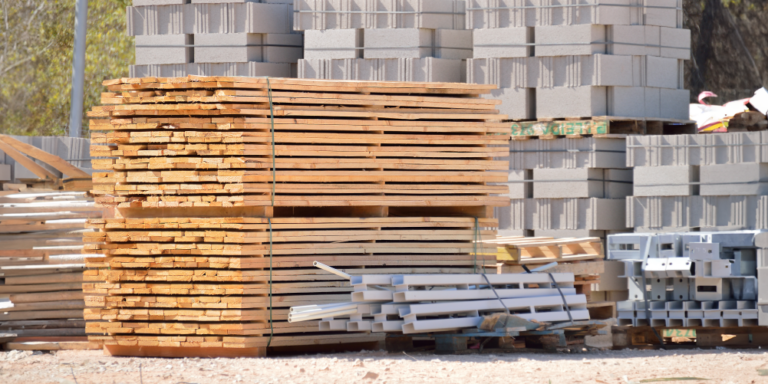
column 634, row 366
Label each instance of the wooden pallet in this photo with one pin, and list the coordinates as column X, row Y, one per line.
column 689, row 337
column 601, row 125
column 536, row 250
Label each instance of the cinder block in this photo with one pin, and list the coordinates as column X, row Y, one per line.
column 584, row 182
column 164, row 49
column 570, row 40
column 503, row 42
column 139, row 3
column 734, row 179
column 251, row 69
column 674, row 103
column 633, row 40
column 485, row 14
column 663, row 72
column 417, row 43
column 576, row 71
column 345, row 14
column 516, row 72
column 238, row 18
column 628, row 102
column 663, row 13
column 426, row 69
column 571, row 102
column 591, row 213
column 675, row 43
column 582, row 152
column 333, row 44
column 666, row 181
column 520, row 183
column 762, row 284
column 5, row 172
column 516, row 103
column 245, row 47
column 157, row 20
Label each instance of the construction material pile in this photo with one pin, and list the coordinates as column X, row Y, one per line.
column 42, row 262
column 434, row 303
column 696, row 279
column 225, row 190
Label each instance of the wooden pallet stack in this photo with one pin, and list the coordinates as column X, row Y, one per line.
column 41, row 264
column 225, row 190
column 581, row 256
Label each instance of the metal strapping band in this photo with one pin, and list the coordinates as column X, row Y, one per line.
column 496, row 293
column 269, row 220
column 572, row 6
column 474, row 268
column 384, row 12
column 218, row 46
column 565, row 304
column 363, row 48
column 590, row 43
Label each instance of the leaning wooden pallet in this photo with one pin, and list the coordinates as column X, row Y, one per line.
column 226, row 190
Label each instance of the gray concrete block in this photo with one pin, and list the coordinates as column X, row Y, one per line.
column 630, row 102
column 417, row 43
column 561, row 233
column 520, row 183
column 156, row 20
column 245, row 47
column 762, row 285
column 582, row 183
column 675, row 43
column 663, row 13
column 516, row 103
column 5, row 172
column 724, row 148
column 709, row 213
column 591, row 213
column 663, row 72
column 238, row 18
column 333, row 44
column 139, row 3
column 570, row 40
column 633, row 40
column 571, row 102
column 516, row 72
column 674, row 103
column 596, row 70
column 426, row 69
column 734, row 179
column 251, row 69
column 666, row 181
column 584, row 152
column 484, row 14
column 345, row 14
column 504, row 42
column 164, row 49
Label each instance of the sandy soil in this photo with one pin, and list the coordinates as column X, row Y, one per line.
column 81, row 367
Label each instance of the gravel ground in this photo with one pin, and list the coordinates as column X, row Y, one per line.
column 634, row 366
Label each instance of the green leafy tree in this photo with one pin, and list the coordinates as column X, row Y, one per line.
column 36, row 43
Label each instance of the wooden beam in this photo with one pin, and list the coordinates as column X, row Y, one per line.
column 26, row 162
column 54, row 161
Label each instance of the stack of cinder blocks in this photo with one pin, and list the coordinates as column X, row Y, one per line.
column 214, row 38
column 690, row 279
column 595, row 58
column 566, row 187
column 404, row 40
column 698, row 182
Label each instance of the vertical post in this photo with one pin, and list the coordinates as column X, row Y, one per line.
column 78, row 70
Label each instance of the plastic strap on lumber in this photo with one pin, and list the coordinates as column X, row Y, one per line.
column 645, row 289
column 269, row 219
column 496, row 293
column 271, row 327
column 565, row 303
column 474, row 244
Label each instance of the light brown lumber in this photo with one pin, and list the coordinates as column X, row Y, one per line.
column 34, row 315
column 48, row 332
column 39, row 324
column 45, row 279
column 54, row 161
column 47, row 306
column 51, row 345
column 45, row 297
column 26, row 162
column 40, row 288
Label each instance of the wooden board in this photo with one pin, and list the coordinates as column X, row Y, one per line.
column 535, row 250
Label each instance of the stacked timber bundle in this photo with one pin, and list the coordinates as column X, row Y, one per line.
column 583, row 257
column 42, row 263
column 226, row 190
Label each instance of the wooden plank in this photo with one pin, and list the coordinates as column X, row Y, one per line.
column 51, row 346
column 54, row 161
column 203, row 352
column 26, row 162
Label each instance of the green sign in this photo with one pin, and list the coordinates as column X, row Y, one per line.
column 689, row 333
column 560, row 127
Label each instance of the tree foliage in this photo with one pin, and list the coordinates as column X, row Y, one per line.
column 36, row 43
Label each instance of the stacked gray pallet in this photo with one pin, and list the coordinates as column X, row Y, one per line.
column 689, row 279
column 75, row 150
column 214, row 38
column 566, row 187
column 699, row 182
column 406, row 40
column 596, row 58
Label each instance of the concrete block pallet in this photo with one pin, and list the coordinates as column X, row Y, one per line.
column 214, row 38
column 209, row 220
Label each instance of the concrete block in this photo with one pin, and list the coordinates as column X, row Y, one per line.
column 139, row 3
column 662, row 72
column 703, row 251
column 516, row 72
column 344, row 14
column 485, row 14
column 570, row 40
column 333, row 44
column 717, row 213
column 238, row 18
column 560, row 233
column 251, row 69
column 674, row 103
column 576, row 71
column 426, row 69
column 503, row 42
column 666, row 181
column 710, row 289
column 734, row 179
column 591, row 213
column 663, row 13
column 681, row 288
column 629, row 102
column 762, row 314
column 5, row 172
column 245, row 47
column 762, row 284
column 571, row 102
column 417, row 43
column 584, row 182
column 583, row 152
column 636, row 288
column 164, row 49
column 675, row 43
column 726, row 148
column 156, row 20
column 609, row 279
column 516, row 103
column 520, row 183
column 633, row 40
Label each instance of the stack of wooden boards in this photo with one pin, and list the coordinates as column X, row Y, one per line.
column 581, row 256
column 42, row 263
column 225, row 190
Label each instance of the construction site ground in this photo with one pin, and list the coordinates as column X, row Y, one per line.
column 628, row 366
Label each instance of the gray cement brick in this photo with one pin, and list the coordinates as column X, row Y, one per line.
column 633, row 40
column 676, row 43
column 417, row 43
column 139, row 3
column 666, row 181
column 334, row 14
column 426, row 69
column 663, row 72
column 663, row 17
column 762, row 285
column 576, row 71
column 570, row 153
column 512, row 14
column 674, row 103
column 709, row 213
column 725, row 148
column 570, row 40
column 238, row 18
column 571, row 102
column 333, row 44
column 156, row 20
column 734, row 179
column 504, row 72
column 516, row 103
column 245, row 47
column 505, row 42
column 164, row 49
column 582, row 183
column 520, row 183
column 251, row 69
column 630, row 102
column 5, row 172
column 591, row 213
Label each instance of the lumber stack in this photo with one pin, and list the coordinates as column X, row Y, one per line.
column 583, row 257
column 226, row 190
column 42, row 263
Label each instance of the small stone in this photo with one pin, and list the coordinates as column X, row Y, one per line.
column 371, row 376
column 357, row 363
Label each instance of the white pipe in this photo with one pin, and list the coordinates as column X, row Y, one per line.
column 295, row 319
column 314, row 307
column 331, row 270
